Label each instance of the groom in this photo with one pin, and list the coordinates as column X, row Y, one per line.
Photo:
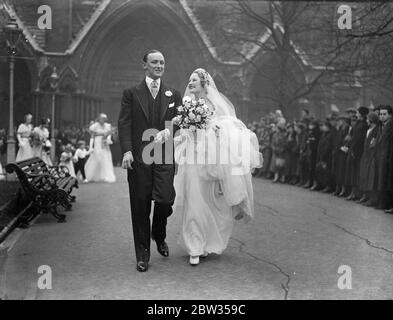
column 143, row 107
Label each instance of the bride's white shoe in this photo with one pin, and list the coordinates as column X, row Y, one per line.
column 194, row 260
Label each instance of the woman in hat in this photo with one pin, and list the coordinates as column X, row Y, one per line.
column 355, row 151
column 41, row 143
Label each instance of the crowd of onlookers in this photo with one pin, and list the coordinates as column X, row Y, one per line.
column 349, row 155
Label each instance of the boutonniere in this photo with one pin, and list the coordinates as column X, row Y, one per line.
column 168, row 93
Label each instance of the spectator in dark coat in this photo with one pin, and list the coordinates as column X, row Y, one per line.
column 355, row 151
column 302, row 163
column 265, row 137
column 333, row 120
column 314, row 135
column 324, row 157
column 339, row 156
column 367, row 177
column 384, row 159
column 291, row 155
column 346, row 189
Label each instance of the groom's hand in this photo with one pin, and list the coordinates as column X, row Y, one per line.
column 128, row 159
column 162, row 136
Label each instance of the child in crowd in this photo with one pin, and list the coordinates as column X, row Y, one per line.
column 66, row 159
column 80, row 158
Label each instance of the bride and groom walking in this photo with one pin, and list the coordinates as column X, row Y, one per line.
column 207, row 196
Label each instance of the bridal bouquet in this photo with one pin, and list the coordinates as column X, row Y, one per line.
column 193, row 114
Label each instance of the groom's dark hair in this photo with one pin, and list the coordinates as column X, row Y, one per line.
column 149, row 52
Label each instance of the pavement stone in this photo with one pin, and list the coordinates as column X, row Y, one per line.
column 291, row 250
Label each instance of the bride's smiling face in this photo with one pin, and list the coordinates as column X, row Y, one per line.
column 194, row 84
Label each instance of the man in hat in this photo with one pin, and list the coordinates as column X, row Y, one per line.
column 314, row 134
column 367, row 177
column 355, row 151
column 302, row 165
column 384, row 159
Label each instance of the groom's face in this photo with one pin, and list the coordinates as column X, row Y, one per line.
column 154, row 65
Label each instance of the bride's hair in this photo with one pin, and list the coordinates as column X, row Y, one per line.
column 203, row 76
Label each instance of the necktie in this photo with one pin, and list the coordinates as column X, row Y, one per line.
column 154, row 88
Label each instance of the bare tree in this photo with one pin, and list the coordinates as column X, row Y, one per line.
column 307, row 32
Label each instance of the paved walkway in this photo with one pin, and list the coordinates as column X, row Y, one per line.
column 292, row 250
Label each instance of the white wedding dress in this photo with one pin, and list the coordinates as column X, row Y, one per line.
column 210, row 193
column 99, row 166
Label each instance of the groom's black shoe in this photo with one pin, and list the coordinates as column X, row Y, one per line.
column 163, row 249
column 142, row 266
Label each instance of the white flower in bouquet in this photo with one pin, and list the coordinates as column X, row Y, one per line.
column 198, row 118
column 201, row 101
column 176, row 120
column 192, row 128
column 191, row 116
column 186, row 120
column 180, row 108
column 186, row 99
column 194, row 102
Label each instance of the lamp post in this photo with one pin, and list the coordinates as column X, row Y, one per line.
column 53, row 81
column 13, row 35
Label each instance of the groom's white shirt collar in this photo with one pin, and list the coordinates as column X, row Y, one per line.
column 150, row 80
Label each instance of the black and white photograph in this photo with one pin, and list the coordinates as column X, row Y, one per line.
column 209, row 151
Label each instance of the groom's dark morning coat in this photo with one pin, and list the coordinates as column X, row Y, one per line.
column 140, row 112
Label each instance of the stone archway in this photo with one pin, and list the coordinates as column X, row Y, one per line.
column 112, row 60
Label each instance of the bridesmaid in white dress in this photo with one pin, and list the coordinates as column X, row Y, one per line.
column 99, row 166
column 41, row 141
column 210, row 195
column 24, row 134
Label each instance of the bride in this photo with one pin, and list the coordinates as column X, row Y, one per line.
column 99, row 166
column 211, row 193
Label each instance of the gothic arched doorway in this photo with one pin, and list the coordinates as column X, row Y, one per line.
column 113, row 60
